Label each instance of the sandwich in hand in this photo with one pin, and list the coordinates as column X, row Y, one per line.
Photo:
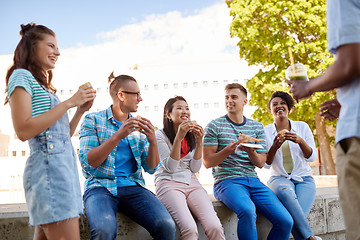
column 245, row 139
column 86, row 86
column 282, row 132
column 139, row 117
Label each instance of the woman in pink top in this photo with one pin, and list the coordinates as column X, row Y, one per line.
column 177, row 187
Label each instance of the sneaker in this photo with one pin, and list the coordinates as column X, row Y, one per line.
column 318, row 238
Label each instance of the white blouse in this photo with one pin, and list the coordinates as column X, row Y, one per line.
column 300, row 163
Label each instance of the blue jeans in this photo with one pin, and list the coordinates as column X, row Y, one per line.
column 298, row 198
column 245, row 195
column 136, row 202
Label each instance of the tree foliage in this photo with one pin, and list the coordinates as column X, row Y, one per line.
column 266, row 29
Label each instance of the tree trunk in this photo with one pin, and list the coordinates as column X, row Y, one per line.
column 325, row 151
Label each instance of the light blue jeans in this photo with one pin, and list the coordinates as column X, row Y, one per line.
column 298, row 198
column 245, row 196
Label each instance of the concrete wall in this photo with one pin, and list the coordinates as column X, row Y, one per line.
column 325, row 219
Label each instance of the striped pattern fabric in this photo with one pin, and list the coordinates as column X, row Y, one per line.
column 95, row 130
column 222, row 131
column 40, row 99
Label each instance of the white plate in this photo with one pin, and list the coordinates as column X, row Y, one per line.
column 251, row 145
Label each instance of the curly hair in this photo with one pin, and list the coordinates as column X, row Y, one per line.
column 284, row 96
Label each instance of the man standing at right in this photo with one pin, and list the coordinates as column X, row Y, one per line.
column 343, row 22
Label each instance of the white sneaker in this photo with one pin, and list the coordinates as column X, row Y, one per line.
column 318, row 238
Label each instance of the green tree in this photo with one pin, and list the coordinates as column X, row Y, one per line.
column 266, row 29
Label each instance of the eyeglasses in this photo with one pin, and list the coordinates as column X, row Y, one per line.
column 138, row 94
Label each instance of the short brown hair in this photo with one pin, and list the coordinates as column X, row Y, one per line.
column 117, row 82
column 236, row 85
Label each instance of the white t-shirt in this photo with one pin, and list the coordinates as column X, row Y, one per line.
column 301, row 164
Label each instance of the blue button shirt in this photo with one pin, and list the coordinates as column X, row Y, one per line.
column 95, row 130
column 343, row 25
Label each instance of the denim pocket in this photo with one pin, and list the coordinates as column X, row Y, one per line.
column 56, row 146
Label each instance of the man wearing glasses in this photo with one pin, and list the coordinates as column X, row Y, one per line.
column 114, row 147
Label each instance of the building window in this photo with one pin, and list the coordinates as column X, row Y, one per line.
column 156, row 86
column 206, row 105
column 71, row 91
column 196, row 105
column 146, row 108
column 62, row 92
column 185, row 84
column 236, row 80
column 216, row 104
column 156, row 108
column 98, row 90
column 176, row 85
column 225, row 82
column 205, row 83
column 14, row 153
column 195, row 84
column 215, row 82
column 166, row 86
column 146, row 87
column 23, row 153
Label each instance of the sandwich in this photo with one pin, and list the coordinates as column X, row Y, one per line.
column 282, row 132
column 245, row 139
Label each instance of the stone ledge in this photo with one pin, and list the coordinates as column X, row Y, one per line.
column 325, row 218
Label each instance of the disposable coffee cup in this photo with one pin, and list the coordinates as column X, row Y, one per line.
column 299, row 74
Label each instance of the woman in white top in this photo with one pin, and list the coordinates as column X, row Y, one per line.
column 291, row 147
column 177, row 187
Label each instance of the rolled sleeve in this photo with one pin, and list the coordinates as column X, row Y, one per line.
column 144, row 156
column 88, row 140
column 195, row 165
column 309, row 139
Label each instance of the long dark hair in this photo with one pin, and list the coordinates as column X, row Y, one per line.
column 169, row 125
column 25, row 53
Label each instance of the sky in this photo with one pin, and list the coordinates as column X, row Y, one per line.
column 168, row 40
column 82, row 22
column 176, row 40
